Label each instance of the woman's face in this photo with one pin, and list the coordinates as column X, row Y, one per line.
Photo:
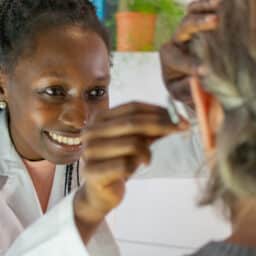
column 53, row 93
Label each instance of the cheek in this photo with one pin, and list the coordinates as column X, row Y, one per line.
column 42, row 118
column 93, row 109
column 32, row 115
column 31, row 123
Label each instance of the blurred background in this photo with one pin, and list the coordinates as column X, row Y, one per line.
column 139, row 25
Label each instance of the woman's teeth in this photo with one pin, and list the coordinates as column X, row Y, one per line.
column 65, row 140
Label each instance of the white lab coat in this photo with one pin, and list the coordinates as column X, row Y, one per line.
column 24, row 230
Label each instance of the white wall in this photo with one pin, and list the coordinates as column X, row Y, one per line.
column 137, row 76
column 161, row 217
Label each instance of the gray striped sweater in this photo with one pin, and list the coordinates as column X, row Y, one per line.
column 224, row 249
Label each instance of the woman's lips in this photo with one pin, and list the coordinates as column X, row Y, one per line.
column 68, row 142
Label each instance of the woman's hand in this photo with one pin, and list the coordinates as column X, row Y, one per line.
column 177, row 63
column 116, row 143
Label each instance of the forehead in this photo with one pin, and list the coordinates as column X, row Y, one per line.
column 68, row 49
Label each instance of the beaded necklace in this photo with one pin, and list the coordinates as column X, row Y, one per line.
column 69, row 177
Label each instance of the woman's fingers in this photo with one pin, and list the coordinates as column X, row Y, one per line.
column 201, row 16
column 131, row 108
column 105, row 180
column 116, row 143
column 101, row 149
column 202, row 6
column 105, row 172
column 104, row 186
column 176, row 62
column 193, row 24
column 174, row 55
column 148, row 125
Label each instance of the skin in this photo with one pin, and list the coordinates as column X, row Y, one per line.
column 117, row 142
column 114, row 142
column 177, row 64
column 58, row 87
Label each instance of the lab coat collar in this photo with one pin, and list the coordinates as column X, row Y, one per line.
column 8, row 153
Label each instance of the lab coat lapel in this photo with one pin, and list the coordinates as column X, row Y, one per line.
column 18, row 190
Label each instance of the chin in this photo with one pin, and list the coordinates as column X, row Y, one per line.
column 62, row 160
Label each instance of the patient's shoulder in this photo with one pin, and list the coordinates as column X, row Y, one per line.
column 224, row 249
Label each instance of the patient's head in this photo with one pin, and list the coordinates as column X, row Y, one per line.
column 226, row 101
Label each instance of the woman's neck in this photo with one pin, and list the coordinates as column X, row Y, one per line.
column 42, row 175
column 244, row 223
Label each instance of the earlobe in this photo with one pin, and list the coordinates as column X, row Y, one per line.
column 3, row 89
column 209, row 114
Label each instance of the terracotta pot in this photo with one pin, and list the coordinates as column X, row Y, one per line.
column 135, row 31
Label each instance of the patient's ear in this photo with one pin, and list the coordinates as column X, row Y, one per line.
column 209, row 112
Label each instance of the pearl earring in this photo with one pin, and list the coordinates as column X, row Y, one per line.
column 3, row 105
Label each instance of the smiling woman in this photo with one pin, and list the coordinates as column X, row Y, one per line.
column 69, row 83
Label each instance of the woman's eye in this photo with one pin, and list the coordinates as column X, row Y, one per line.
column 96, row 92
column 55, row 91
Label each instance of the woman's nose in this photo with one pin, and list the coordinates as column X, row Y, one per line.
column 75, row 115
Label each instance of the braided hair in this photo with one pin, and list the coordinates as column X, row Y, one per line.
column 22, row 20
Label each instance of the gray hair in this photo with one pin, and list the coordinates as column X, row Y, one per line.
column 229, row 54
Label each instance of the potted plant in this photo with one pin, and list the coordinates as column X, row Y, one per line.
column 136, row 22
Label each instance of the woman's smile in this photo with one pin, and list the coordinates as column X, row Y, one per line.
column 64, row 141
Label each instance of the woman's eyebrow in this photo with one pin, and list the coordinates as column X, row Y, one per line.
column 103, row 77
column 44, row 80
column 54, row 74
